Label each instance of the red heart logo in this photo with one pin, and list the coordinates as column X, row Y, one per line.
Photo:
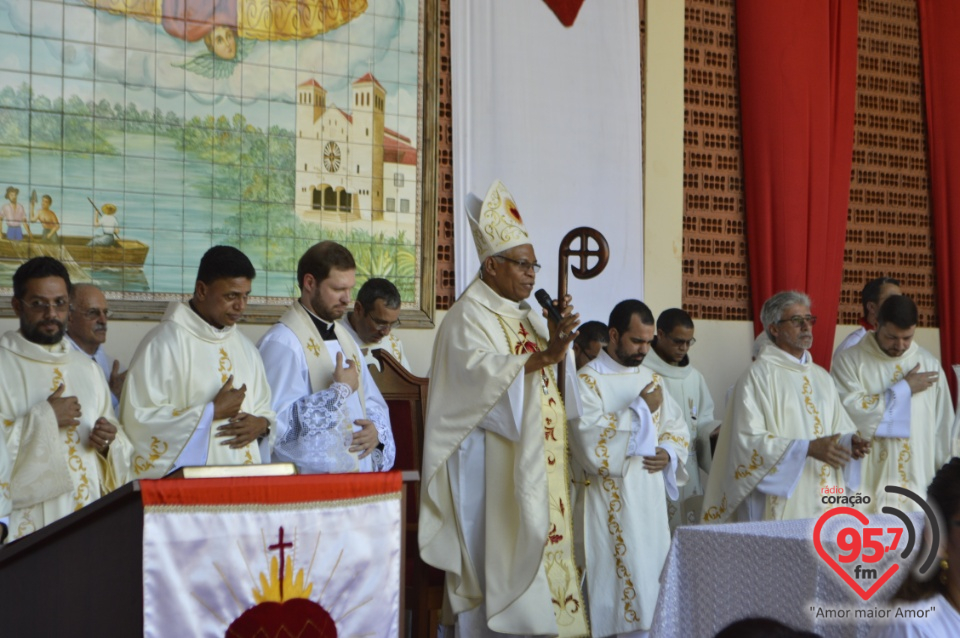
column 566, row 10
column 829, row 560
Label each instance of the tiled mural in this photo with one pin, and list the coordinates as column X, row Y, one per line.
column 134, row 134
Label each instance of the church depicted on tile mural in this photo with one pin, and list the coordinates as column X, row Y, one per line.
column 349, row 165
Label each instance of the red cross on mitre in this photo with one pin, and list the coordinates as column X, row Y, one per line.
column 566, row 10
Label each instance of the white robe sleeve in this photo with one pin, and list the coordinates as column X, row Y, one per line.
column 643, row 438
column 783, row 478
column 194, row 453
column 506, row 415
column 376, row 409
column 896, row 417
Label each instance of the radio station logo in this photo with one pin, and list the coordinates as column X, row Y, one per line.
column 865, row 555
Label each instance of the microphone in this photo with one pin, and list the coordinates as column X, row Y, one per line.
column 543, row 298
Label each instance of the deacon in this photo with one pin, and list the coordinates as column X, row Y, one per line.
column 785, row 434
column 196, row 393
column 375, row 314
column 59, row 428
column 874, row 293
column 87, row 332
column 670, row 358
column 896, row 394
column 591, row 339
column 495, row 511
column 330, row 415
column 632, row 444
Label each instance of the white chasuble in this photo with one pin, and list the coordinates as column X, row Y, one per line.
column 173, row 378
column 911, row 434
column 55, row 470
column 495, row 510
column 777, row 401
column 626, row 534
column 689, row 389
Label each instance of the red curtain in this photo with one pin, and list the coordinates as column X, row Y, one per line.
column 939, row 24
column 798, row 66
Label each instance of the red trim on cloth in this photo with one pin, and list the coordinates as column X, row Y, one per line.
column 566, row 10
column 274, row 489
column 864, row 324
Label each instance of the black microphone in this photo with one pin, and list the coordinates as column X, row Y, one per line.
column 543, row 297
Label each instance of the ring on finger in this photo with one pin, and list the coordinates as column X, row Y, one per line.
column 562, row 335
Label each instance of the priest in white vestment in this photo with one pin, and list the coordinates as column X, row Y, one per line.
column 785, row 438
column 330, row 415
column 670, row 358
column 196, row 393
column 58, row 424
column 375, row 314
column 874, row 293
column 495, row 507
column 897, row 396
column 87, row 332
column 631, row 445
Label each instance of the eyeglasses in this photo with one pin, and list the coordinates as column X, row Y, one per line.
column 524, row 265
column 799, row 320
column 95, row 313
column 38, row 307
column 682, row 342
column 385, row 325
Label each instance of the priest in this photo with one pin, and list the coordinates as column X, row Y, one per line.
column 874, row 293
column 896, row 394
column 375, row 314
column 632, row 444
column 495, row 507
column 63, row 442
column 786, row 438
column 330, row 415
column 196, row 392
column 670, row 358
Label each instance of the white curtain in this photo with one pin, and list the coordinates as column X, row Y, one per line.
column 554, row 112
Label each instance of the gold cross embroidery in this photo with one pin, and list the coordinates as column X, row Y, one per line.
column 313, row 347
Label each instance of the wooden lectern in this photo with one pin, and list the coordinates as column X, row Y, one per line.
column 87, row 574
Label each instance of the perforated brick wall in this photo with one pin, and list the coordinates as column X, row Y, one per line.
column 888, row 229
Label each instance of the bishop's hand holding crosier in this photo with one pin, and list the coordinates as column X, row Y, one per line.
column 561, row 333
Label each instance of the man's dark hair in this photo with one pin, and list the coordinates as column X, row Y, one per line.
column 762, row 628
column 673, row 317
column 320, row 258
column 622, row 313
column 377, row 288
column 38, row 268
column 871, row 291
column 898, row 310
column 224, row 262
column 592, row 331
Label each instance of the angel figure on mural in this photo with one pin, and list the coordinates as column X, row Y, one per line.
column 230, row 28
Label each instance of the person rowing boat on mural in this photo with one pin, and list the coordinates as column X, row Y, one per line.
column 107, row 222
column 47, row 218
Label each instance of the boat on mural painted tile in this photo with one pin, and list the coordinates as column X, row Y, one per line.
column 72, row 248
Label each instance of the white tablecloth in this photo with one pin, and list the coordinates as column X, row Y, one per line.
column 716, row 574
